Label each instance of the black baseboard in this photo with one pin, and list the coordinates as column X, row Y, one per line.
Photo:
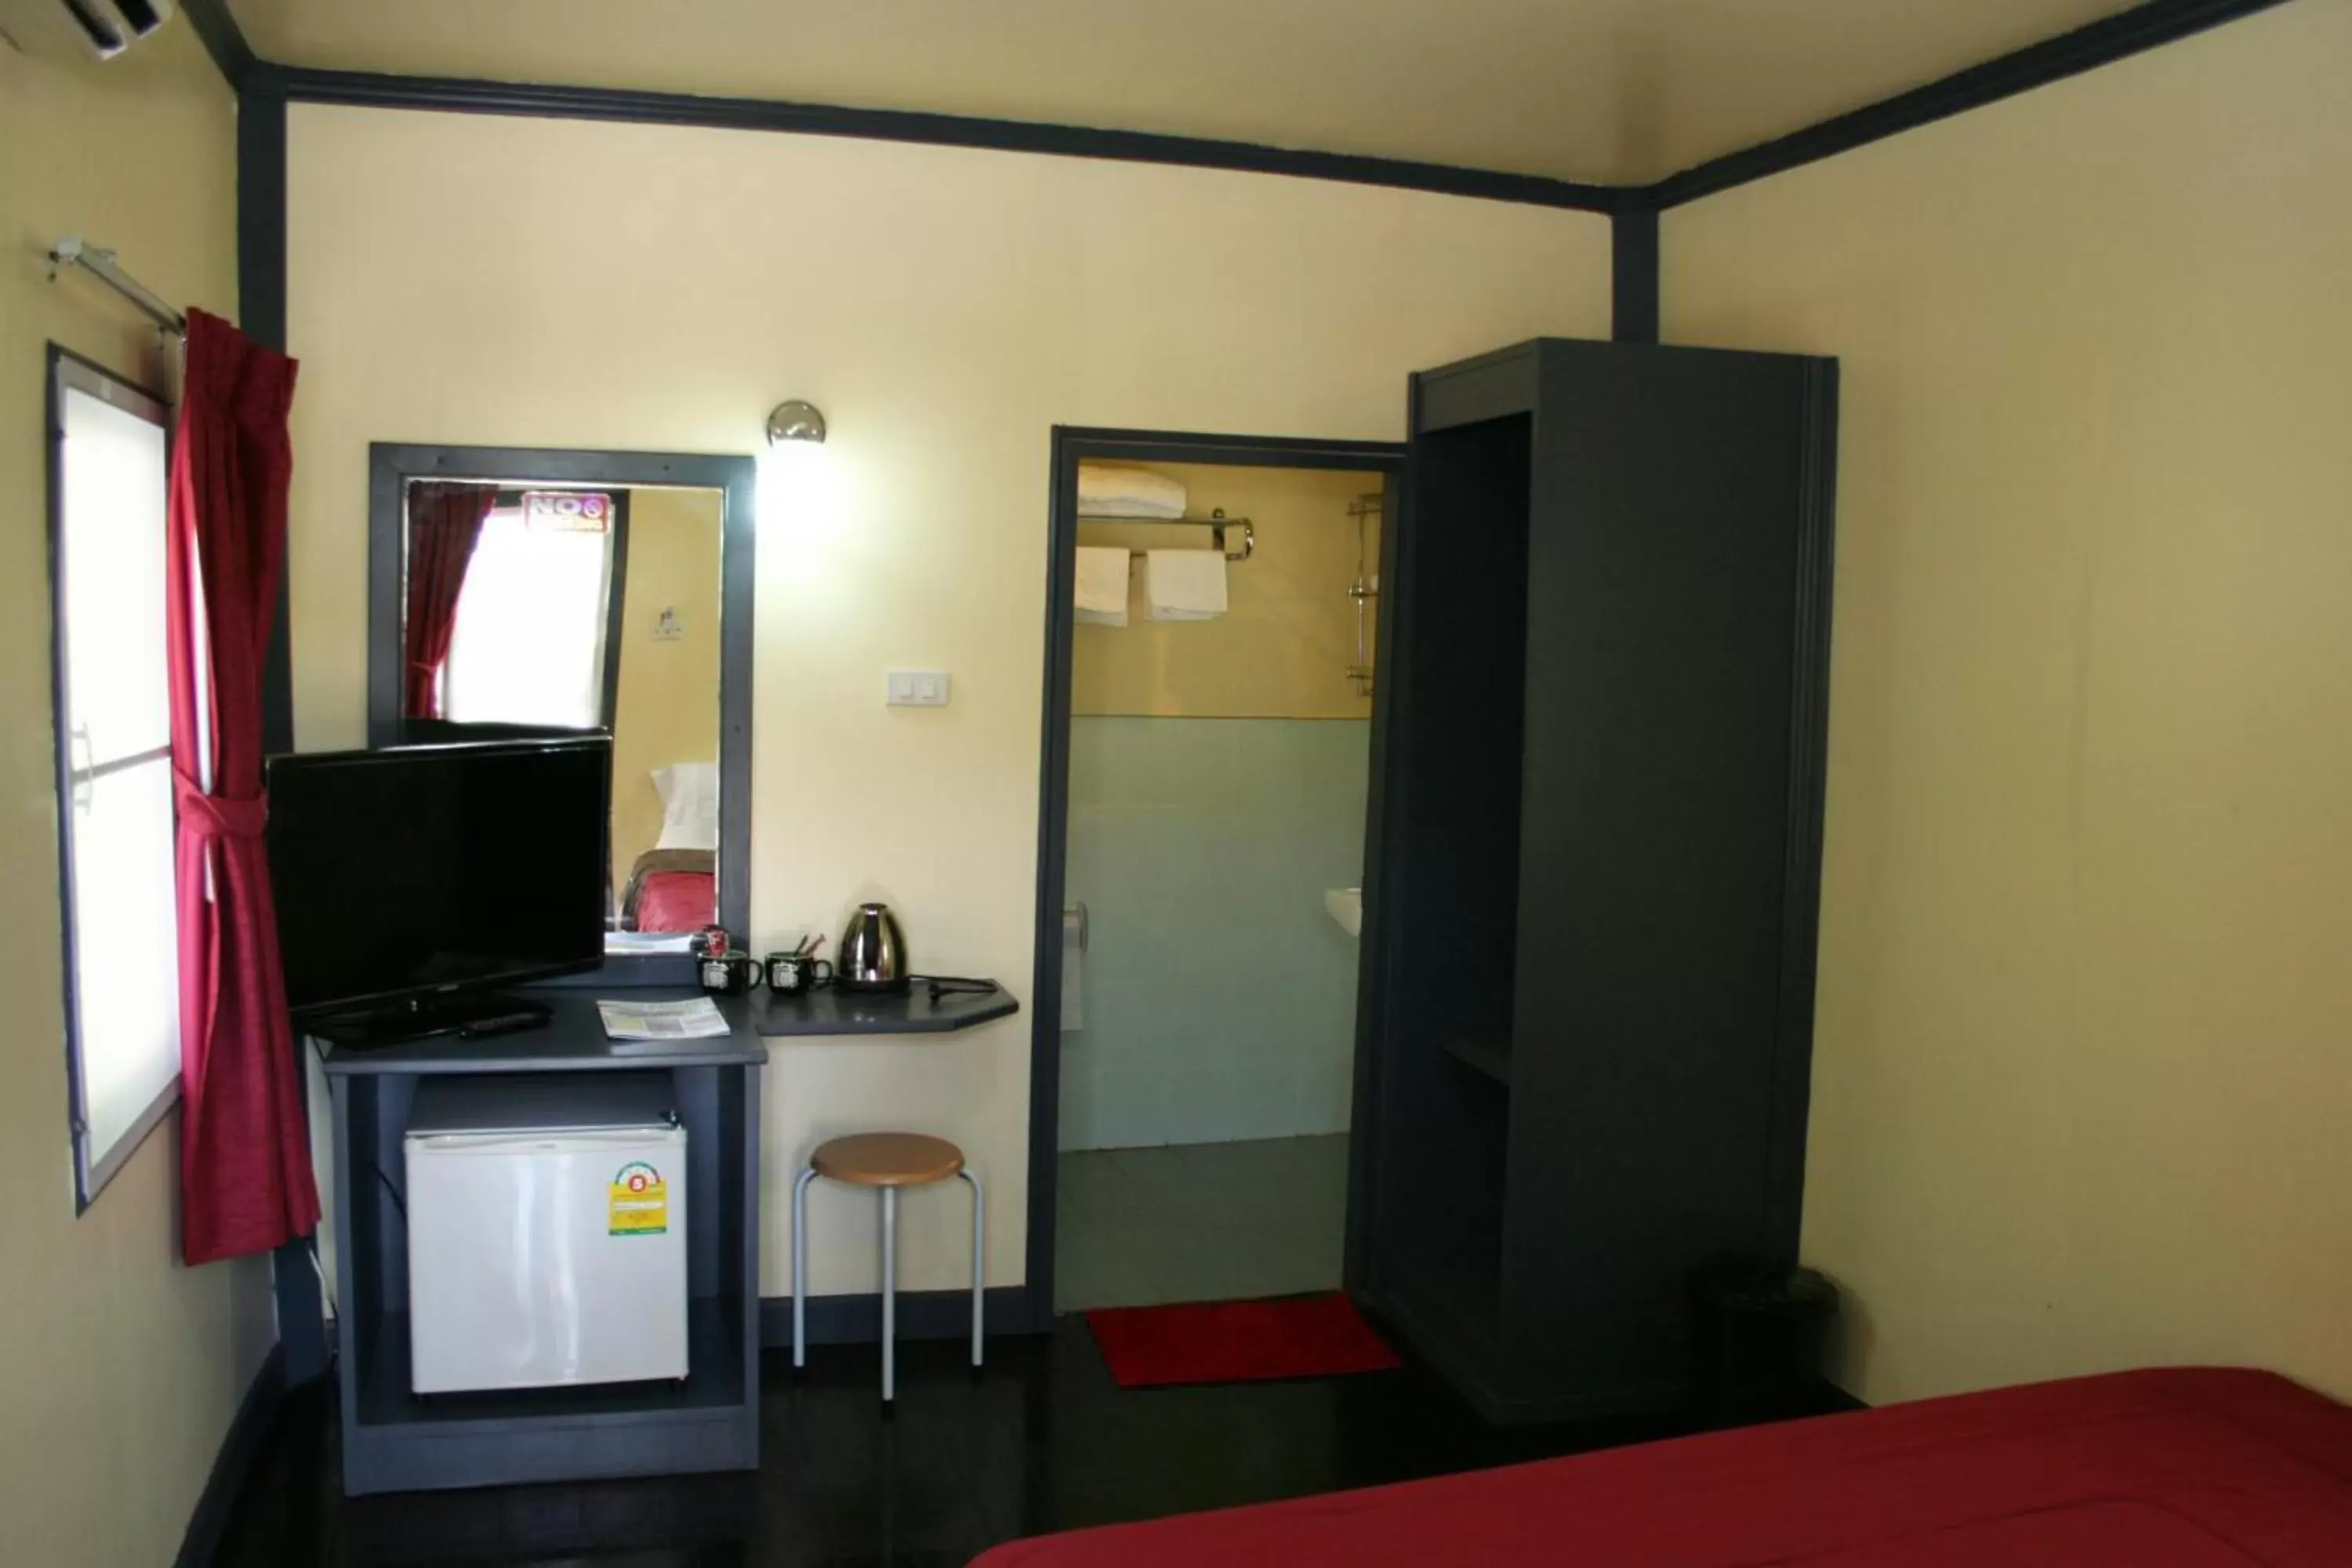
column 240, row 1450
column 922, row 1315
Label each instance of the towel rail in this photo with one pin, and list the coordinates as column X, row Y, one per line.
column 1216, row 523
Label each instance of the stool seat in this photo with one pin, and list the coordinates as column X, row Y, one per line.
column 887, row 1160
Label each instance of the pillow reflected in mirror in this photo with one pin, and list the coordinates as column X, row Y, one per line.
column 689, row 797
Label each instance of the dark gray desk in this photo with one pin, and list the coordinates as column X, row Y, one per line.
column 395, row 1441
column 573, row 1041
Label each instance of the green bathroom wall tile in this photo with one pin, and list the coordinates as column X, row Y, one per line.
column 1219, row 995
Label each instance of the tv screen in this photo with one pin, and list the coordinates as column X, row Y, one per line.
column 417, row 870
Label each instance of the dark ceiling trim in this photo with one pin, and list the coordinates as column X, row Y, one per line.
column 2143, row 26
column 1633, row 275
column 223, row 40
column 372, row 91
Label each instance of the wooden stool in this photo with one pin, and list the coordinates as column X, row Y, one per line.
column 889, row 1161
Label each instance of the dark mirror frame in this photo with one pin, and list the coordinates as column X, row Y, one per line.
column 392, row 465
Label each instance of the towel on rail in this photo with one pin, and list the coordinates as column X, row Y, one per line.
column 1102, row 586
column 1106, row 489
column 1185, row 585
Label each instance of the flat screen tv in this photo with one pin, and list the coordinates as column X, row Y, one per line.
column 415, row 878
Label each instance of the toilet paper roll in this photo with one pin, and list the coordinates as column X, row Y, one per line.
column 1074, row 968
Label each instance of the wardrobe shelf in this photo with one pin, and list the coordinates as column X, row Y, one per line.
column 1489, row 1058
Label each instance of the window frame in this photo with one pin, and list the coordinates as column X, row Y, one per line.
column 67, row 371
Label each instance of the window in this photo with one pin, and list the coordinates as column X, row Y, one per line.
column 115, row 821
column 528, row 644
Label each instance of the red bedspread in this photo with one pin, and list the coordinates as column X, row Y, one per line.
column 676, row 901
column 2179, row 1469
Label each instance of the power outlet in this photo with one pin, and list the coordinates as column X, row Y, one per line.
column 917, row 688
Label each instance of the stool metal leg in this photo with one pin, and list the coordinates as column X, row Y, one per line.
column 800, row 1266
column 890, row 1294
column 979, row 1258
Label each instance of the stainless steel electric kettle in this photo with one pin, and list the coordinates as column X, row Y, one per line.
column 873, row 955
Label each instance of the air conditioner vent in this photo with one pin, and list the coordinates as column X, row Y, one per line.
column 79, row 29
column 104, row 41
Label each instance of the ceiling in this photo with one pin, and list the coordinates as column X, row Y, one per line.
column 1614, row 91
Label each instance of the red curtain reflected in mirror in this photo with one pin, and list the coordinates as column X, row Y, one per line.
column 445, row 523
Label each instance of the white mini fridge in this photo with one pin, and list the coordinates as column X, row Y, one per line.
column 546, row 1231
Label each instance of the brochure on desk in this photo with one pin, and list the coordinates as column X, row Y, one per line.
column 699, row 1019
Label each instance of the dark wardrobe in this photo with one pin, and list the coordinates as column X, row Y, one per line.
column 1594, row 874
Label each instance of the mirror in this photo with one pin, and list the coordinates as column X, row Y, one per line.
column 513, row 598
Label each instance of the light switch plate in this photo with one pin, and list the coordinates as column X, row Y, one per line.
column 917, row 688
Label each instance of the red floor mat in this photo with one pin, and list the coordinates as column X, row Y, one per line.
column 1238, row 1342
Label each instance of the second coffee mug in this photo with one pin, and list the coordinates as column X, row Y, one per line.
column 790, row 973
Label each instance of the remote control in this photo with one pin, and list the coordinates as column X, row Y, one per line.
column 501, row 1024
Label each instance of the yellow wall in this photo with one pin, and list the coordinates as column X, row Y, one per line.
column 945, row 308
column 123, row 1368
column 2082, row 1088
column 1283, row 647
column 668, row 709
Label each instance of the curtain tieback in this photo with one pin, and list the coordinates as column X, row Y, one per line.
column 214, row 816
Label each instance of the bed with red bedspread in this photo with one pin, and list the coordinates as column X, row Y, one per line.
column 677, row 901
column 671, row 891
column 2171, row 1469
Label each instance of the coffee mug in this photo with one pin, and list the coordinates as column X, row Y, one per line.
column 729, row 973
column 790, row 973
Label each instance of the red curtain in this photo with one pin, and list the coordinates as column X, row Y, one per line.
column 245, row 1152
column 445, row 523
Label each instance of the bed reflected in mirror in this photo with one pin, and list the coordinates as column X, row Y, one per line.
column 566, row 605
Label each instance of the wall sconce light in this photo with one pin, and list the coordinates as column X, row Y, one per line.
column 794, row 421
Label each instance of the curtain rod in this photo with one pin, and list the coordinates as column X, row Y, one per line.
column 99, row 262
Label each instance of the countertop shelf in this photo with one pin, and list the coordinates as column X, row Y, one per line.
column 832, row 1011
column 574, row 1038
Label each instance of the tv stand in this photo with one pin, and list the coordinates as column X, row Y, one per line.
column 394, row 1439
column 373, row 1028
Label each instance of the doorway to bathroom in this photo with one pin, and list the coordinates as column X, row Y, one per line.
column 1212, row 685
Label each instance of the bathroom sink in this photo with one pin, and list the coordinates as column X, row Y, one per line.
column 1347, row 907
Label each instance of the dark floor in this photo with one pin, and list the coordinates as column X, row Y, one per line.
column 1042, row 1441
